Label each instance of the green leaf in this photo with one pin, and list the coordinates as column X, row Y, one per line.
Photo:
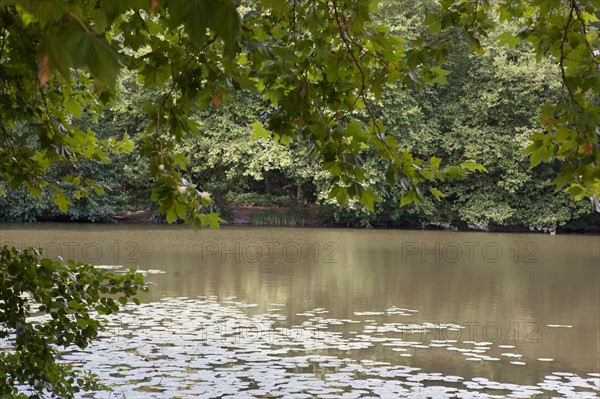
column 576, row 191
column 193, row 14
column 127, row 144
column 181, row 161
column 80, row 48
column 435, row 162
column 437, row 193
column 455, row 172
column 35, row 190
column 72, row 106
column 180, row 210
column 284, row 139
column 62, row 201
column 368, row 198
column 588, row 17
column 435, row 27
column 340, row 194
column 171, row 214
column 410, row 197
column 212, row 220
column 535, row 158
column 228, row 25
column 259, row 131
column 473, row 166
column 103, row 61
column 82, row 323
column 507, row 38
column 198, row 15
column 440, row 75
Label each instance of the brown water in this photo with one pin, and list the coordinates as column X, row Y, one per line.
column 538, row 293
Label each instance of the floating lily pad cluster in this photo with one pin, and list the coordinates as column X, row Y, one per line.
column 206, row 347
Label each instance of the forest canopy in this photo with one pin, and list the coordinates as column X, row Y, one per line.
column 355, row 91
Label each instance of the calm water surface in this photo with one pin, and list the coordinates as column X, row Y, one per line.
column 472, row 305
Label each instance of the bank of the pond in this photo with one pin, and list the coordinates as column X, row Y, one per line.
column 316, row 216
column 242, row 215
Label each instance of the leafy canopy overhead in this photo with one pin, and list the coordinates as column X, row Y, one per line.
column 319, row 66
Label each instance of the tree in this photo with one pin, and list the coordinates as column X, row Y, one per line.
column 62, row 59
column 319, row 68
column 567, row 34
column 290, row 54
column 45, row 305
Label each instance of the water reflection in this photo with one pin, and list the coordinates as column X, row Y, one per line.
column 506, row 289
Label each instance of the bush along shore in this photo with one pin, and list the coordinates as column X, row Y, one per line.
column 309, row 215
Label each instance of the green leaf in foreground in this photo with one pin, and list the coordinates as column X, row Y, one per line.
column 50, row 287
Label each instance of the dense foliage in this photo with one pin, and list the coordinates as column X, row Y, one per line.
column 328, row 121
column 46, row 305
column 320, row 69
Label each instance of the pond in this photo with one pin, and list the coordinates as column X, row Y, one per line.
column 319, row 312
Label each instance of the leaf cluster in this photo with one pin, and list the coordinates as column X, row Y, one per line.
column 46, row 305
